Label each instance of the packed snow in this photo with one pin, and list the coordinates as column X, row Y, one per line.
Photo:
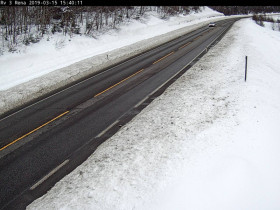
column 210, row 141
column 48, row 65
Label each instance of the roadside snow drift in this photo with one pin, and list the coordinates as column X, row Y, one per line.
column 48, row 65
column 211, row 141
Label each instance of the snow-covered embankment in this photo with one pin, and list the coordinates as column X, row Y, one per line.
column 42, row 68
column 210, row 141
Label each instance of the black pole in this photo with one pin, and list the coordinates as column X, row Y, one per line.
column 245, row 68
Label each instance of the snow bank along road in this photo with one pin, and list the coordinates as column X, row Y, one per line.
column 46, row 140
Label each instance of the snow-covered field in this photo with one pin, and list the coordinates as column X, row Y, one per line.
column 211, row 141
column 45, row 66
column 274, row 26
column 274, row 16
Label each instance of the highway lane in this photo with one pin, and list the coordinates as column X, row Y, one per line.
column 82, row 92
column 88, row 109
column 48, row 109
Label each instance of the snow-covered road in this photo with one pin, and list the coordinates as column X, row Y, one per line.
column 210, row 141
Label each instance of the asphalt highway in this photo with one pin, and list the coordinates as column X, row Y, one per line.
column 41, row 143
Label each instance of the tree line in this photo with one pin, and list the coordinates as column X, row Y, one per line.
column 242, row 10
column 23, row 24
column 258, row 13
column 259, row 19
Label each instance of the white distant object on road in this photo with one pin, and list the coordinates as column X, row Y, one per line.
column 212, row 24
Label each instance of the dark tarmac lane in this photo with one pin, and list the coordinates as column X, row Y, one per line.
column 45, row 141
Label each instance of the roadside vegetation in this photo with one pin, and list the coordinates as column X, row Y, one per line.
column 260, row 19
column 22, row 25
column 244, row 10
column 25, row 25
column 259, row 13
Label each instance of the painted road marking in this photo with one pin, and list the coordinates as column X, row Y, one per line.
column 98, row 74
column 140, row 102
column 168, row 80
column 197, row 38
column 48, row 175
column 184, row 45
column 109, row 127
column 163, row 57
column 33, row 130
column 118, row 83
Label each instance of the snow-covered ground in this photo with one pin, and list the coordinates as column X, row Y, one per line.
column 60, row 51
column 45, row 66
column 210, row 141
column 274, row 26
column 274, row 16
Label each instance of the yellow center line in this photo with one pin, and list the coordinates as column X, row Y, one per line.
column 184, row 45
column 119, row 83
column 33, row 131
column 162, row 58
column 196, row 38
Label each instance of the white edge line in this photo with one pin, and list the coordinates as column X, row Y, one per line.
column 216, row 38
column 141, row 101
column 48, row 175
column 104, row 131
column 168, row 79
column 98, row 74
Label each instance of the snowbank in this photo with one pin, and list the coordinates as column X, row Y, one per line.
column 43, row 68
column 237, row 164
column 210, row 141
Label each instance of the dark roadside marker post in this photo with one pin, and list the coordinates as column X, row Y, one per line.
column 245, row 68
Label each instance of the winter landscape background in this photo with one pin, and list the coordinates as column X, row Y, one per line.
column 209, row 141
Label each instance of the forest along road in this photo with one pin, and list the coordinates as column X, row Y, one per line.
column 43, row 142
